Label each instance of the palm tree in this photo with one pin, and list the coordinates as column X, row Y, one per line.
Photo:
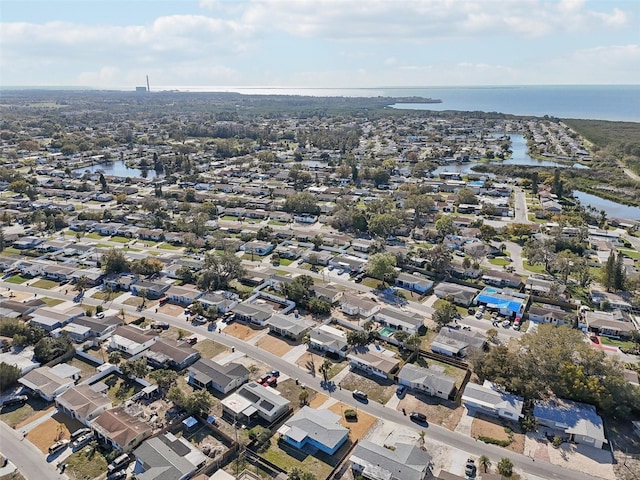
column 414, row 341
column 421, row 436
column 325, row 368
column 484, row 462
column 81, row 284
column 122, row 314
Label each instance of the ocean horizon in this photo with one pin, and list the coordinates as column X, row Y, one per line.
column 593, row 102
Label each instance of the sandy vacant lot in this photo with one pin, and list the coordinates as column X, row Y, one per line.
column 56, row 428
column 240, row 331
column 438, row 411
column 171, row 310
column 357, row 429
column 275, row 345
column 306, row 358
column 483, row 426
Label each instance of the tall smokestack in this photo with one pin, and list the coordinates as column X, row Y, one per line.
column 148, row 89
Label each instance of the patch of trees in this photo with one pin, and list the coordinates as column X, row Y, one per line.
column 219, row 270
column 303, row 202
column 556, row 361
column 21, row 333
column 48, row 348
column 9, row 376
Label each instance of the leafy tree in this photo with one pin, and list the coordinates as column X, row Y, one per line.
column 383, row 224
column 303, row 397
column 260, row 435
column 492, row 335
column 357, row 337
column 319, row 306
column 265, row 234
column 219, row 270
column 505, row 467
column 421, row 204
column 620, row 275
column 199, row 403
column 444, row 314
column 299, row 289
column 186, row 274
column 608, row 272
column 135, row 368
column 114, row 261
column 444, row 225
column 519, row 230
column 541, row 252
column 382, row 266
column 298, row 474
column 49, row 348
column 380, row 177
column 9, row 375
column 467, row 197
column 439, row 258
column 303, row 202
column 115, row 357
column 103, row 183
column 325, row 368
column 413, row 341
column 147, row 266
column 176, row 395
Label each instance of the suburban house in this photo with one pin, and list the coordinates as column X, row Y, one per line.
column 252, row 312
column 183, row 295
column 49, row 382
column 167, row 353
column 206, row 373
column 148, row 289
column 84, row 402
column 257, row 247
column 252, row 401
column 167, row 457
column 374, row 360
column 502, row 279
column 414, row 283
column 577, row 421
column 609, row 324
column 552, row 314
column 48, row 319
column 317, row 429
column 458, row 294
column 431, row 380
column 329, row 340
column 120, row 430
column 100, row 328
column 289, row 326
column 77, row 333
column 455, row 343
column 542, row 287
column 328, row 294
column 347, row 263
column 375, row 462
column 132, row 340
column 221, row 301
column 399, row 320
column 490, row 400
column 362, row 306
column 507, row 302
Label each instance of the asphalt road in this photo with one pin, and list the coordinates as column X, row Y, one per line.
column 520, row 206
column 435, row 432
column 30, row 461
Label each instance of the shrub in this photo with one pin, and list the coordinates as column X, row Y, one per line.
column 557, row 441
column 350, row 414
column 99, row 309
column 495, row 441
column 9, row 375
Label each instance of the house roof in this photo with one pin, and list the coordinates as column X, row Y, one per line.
column 329, row 337
column 252, row 397
column 83, row 400
column 433, row 377
column 258, row 312
column 320, row 425
column 119, row 426
column 295, row 326
column 205, row 371
column 45, row 380
column 166, row 457
column 489, row 396
column 163, row 351
column 458, row 338
column 398, row 316
column 134, row 334
column 406, row 462
column 371, row 357
column 576, row 418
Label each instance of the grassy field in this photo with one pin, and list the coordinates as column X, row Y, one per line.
column 105, row 296
column 48, row 284
column 209, row 348
column 499, row 261
column 630, row 253
column 168, row 246
column 120, row 239
column 616, row 343
column 52, row 302
column 277, row 223
column 94, row 235
column 89, row 464
column 17, row 279
column 121, row 389
column 16, row 414
column 285, row 262
column 533, row 268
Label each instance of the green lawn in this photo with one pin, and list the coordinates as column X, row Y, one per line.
column 48, row 284
column 230, row 218
column 277, row 223
column 11, row 251
column 168, row 246
column 121, row 389
column 371, row 282
column 52, row 302
column 287, row 457
column 630, row 253
column 12, row 415
column 616, row 343
column 285, row 262
column 209, row 348
column 105, row 296
column 17, row 279
column 533, row 268
column 499, row 261
column 94, row 235
column 120, row 239
column 90, row 464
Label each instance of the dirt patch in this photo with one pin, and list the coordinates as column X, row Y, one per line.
column 484, row 426
column 318, row 400
column 275, row 345
column 439, row 411
column 47, row 433
column 243, row 332
column 209, row 348
column 357, row 429
column 377, row 388
column 171, row 310
column 34, row 417
column 311, row 361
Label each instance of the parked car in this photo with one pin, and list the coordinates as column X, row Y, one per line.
column 15, row 400
column 160, row 325
column 81, row 441
column 418, row 417
column 401, row 390
column 80, row 432
column 275, row 373
column 119, row 475
column 58, row 446
column 118, row 463
column 506, row 324
column 478, row 314
column 470, row 468
column 360, row 395
column 191, row 340
column 271, row 382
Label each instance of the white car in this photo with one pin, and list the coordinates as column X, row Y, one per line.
column 506, row 324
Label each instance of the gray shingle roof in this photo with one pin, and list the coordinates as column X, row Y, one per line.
column 432, row 378
column 406, row 462
column 321, row 425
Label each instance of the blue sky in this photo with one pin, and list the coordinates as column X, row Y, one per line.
column 318, row 43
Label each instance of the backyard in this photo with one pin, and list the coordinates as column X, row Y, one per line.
column 121, row 389
column 86, row 463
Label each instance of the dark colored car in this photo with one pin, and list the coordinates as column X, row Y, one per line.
column 360, row 395
column 418, row 417
column 192, row 340
column 401, row 390
column 470, row 469
column 275, row 373
column 18, row 399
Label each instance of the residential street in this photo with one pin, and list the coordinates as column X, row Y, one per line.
column 521, row 212
column 435, row 432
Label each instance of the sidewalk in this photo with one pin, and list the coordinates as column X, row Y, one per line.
column 464, row 425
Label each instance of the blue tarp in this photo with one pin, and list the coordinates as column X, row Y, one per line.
column 511, row 304
column 189, row 422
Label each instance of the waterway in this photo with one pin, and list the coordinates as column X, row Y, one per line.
column 519, row 156
column 613, row 209
column 118, row 169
